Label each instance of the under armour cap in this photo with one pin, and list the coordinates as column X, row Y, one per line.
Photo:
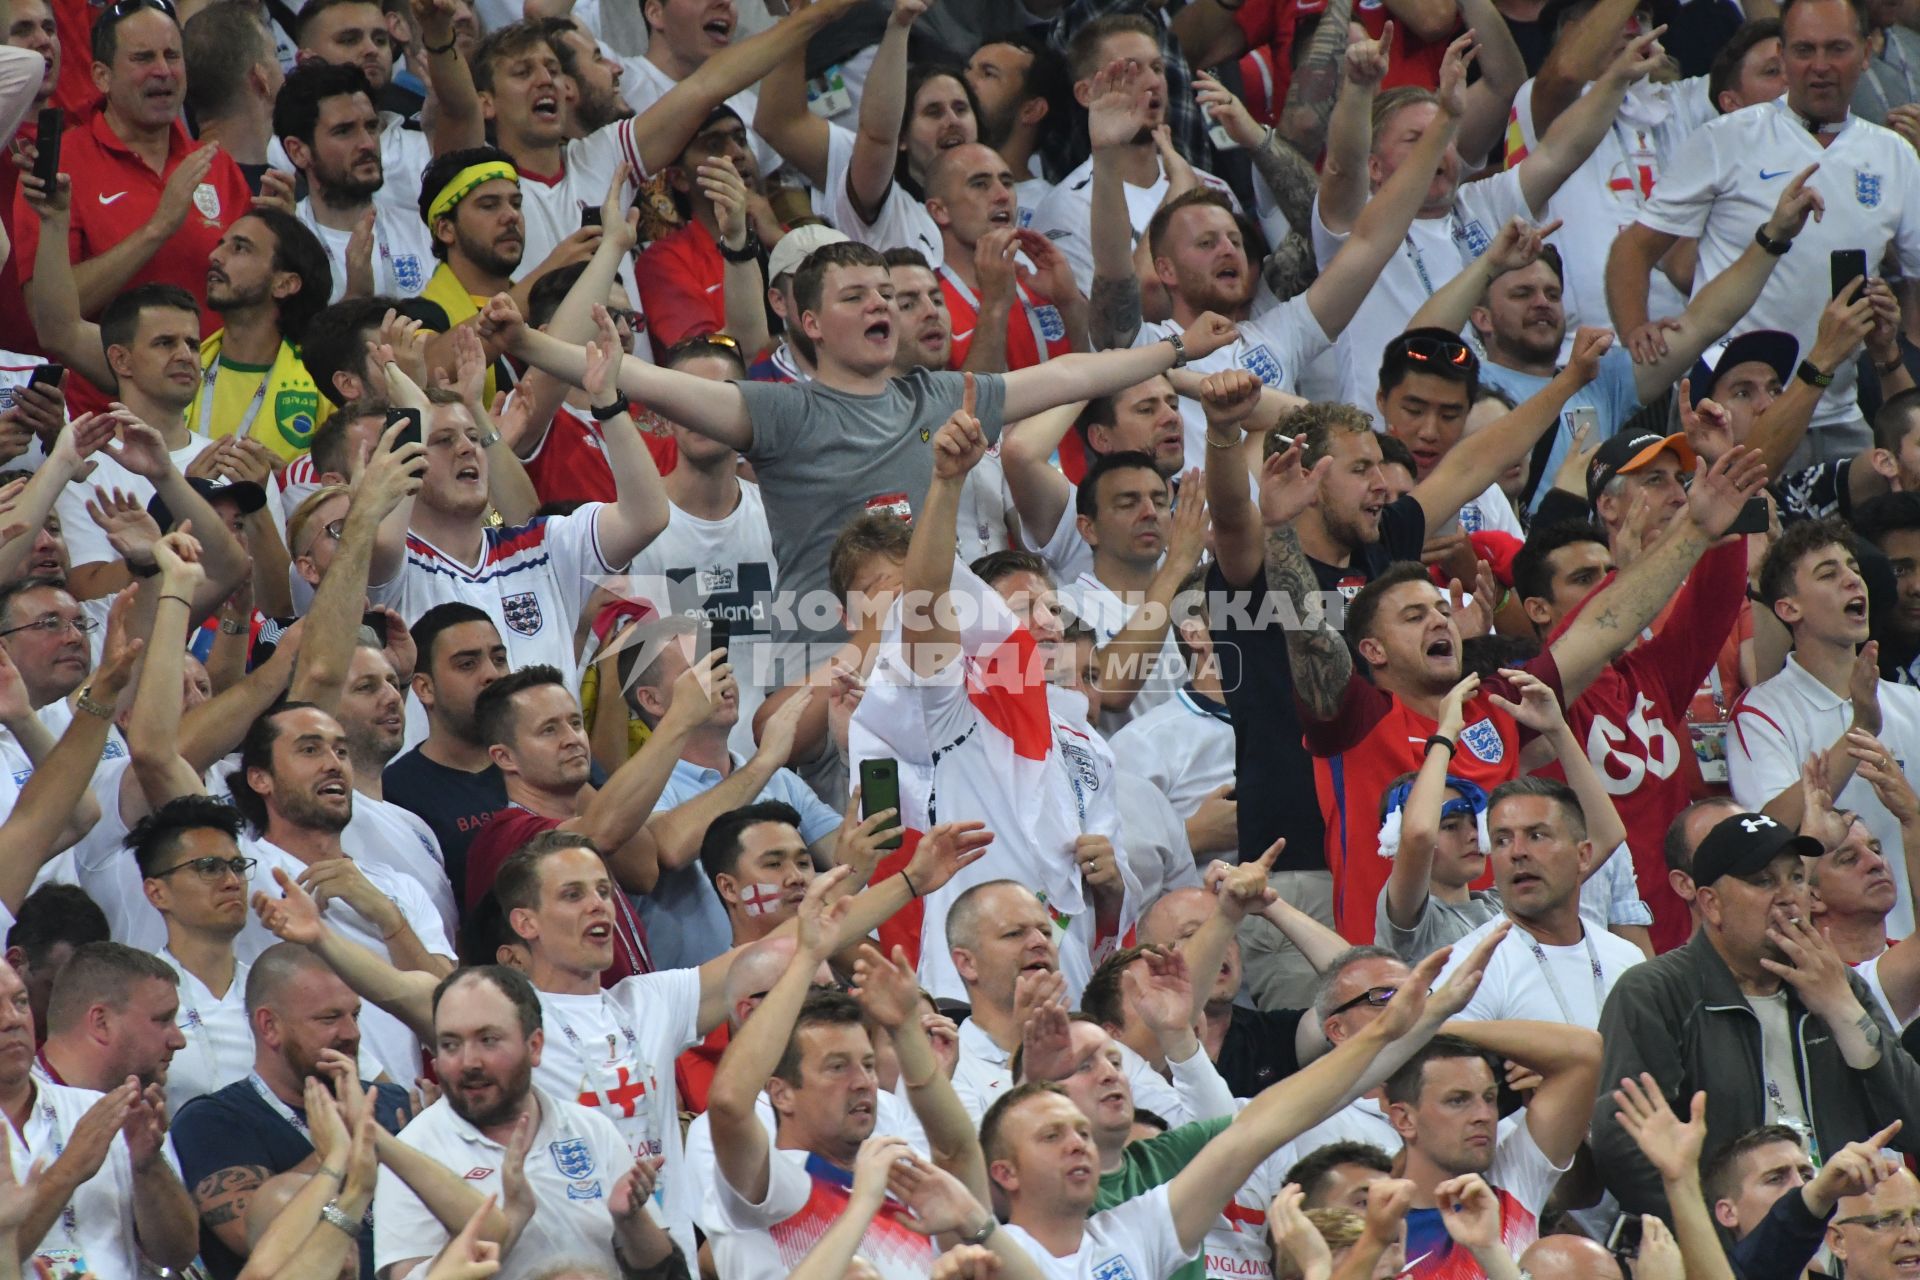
column 1631, row 450
column 1778, row 351
column 795, row 247
column 1746, row 843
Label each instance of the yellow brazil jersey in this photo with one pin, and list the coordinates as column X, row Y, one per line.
column 445, row 291
column 277, row 404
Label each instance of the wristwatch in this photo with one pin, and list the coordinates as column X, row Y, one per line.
column 86, row 702
column 748, row 252
column 1772, row 246
column 607, row 413
column 984, row 1234
column 333, row 1215
column 1179, row 351
column 489, row 437
column 1812, row 376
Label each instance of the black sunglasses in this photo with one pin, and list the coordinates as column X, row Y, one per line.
column 1378, row 997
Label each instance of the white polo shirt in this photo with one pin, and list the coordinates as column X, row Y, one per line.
column 1433, row 252
column 613, row 1053
column 575, row 1160
column 1184, row 747
column 1725, row 180
column 982, row 1072
column 1531, row 980
column 384, row 835
column 1781, row 721
column 94, row 1232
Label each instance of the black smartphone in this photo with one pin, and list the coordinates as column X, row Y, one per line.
column 1755, row 517
column 1624, row 1239
column 377, row 623
column 590, row 217
column 46, row 162
column 1848, row 265
column 880, row 789
column 411, row 435
column 47, row 375
column 720, row 634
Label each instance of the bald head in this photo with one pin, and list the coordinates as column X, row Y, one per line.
column 756, row 969
column 278, row 968
column 1569, row 1258
column 982, row 902
column 1176, row 916
column 953, row 168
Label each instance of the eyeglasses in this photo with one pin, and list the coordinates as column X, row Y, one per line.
column 1377, row 997
column 1436, row 350
column 628, row 314
column 127, row 8
column 52, row 623
column 1884, row 1221
column 212, row 869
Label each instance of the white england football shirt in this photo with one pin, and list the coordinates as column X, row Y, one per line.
column 902, row 222
column 94, row 1232
column 384, row 835
column 1184, row 747
column 575, row 1160
column 1725, row 180
column 642, row 84
column 218, row 1033
column 1096, row 604
column 982, row 1072
column 1134, row 1238
column 805, row 1195
column 402, row 250
column 1433, row 252
column 552, row 203
column 613, row 1053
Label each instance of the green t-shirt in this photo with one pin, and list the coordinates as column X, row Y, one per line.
column 1149, row 1164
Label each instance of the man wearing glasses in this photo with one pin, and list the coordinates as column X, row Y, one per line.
column 148, row 206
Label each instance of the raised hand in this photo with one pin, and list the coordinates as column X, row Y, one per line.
column 1227, row 111
column 888, row 989
column 1052, row 275
column 1207, row 334
column 1163, row 995
column 995, row 261
column 1798, row 202
column 467, row 1256
column 138, row 447
column 1287, row 488
column 16, row 1197
column 1453, row 715
column 701, row 690
column 501, row 322
column 1671, row 1146
column 130, row 531
column 1854, row 1170
column 604, row 354
column 93, row 1134
column 276, row 191
column 872, row 1168
column 1813, row 969
column 959, row 444
column 292, row 917
column 1589, row 345
column 1863, row 687
column 940, row 1201
column 1367, row 60
column 1459, row 987
column 943, row 852
column 635, row 1187
column 777, row 735
column 393, row 473
column 1469, row 1211
column 1117, row 110
column 1229, row 397
column 178, row 555
column 145, row 1126
column 1659, row 1257
column 818, row 919
column 1718, row 493
column 1187, row 540
column 1648, row 343
column 724, row 186
column 1708, row 425
column 618, row 221
column 1640, row 59
column 1873, row 761
column 1243, row 889
column 1388, row 1200
column 340, row 879
column 1538, row 708
column 1295, row 1233
column 176, row 198
column 1452, row 90
column 1818, row 818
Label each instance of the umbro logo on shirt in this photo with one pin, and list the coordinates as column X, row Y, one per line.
column 476, row 1173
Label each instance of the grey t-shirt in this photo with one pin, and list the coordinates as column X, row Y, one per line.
column 1440, row 924
column 824, row 457
column 1784, row 1103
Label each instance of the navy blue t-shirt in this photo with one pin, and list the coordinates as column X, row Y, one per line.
column 234, row 1128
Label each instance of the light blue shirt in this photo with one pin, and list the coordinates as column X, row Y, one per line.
column 686, row 921
column 1611, row 395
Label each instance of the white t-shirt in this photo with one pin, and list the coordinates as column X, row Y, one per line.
column 392, row 1046
column 644, row 84
column 1031, row 193
column 96, row 1227
column 721, row 570
column 86, row 543
column 1275, row 346
column 902, row 223
column 805, row 1194
column 403, row 258
column 613, row 1053
column 384, row 835
column 985, row 504
column 1066, row 215
column 1606, row 193
column 1725, row 180
column 982, row 1072
column 576, row 1158
column 1778, row 723
column 1530, row 980
column 1154, row 839
column 532, row 581
column 218, row 1034
column 1065, row 550
column 1183, row 747
column 1133, row 1239
column 1433, row 252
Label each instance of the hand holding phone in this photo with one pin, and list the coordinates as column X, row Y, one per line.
column 1848, row 265
column 46, row 161
column 411, row 435
column 880, row 789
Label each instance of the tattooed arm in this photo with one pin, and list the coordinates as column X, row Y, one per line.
column 1316, row 82
column 1116, row 114
column 222, row 1199
column 1321, row 664
column 1290, row 177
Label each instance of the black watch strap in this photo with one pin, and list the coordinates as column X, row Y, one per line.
column 609, row 412
column 1812, row 376
column 1772, row 246
column 748, row 252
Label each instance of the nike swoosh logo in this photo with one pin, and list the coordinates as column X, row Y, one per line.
column 110, row 199
column 1777, row 173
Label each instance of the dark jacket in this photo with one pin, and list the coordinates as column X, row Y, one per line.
column 1683, row 1018
column 1782, row 1244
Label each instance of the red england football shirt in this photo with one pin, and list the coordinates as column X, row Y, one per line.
column 1373, row 738
column 16, row 330
column 1035, row 331
column 502, row 837
column 682, row 282
column 570, row 464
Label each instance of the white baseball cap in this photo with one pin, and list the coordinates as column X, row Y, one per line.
column 795, row 247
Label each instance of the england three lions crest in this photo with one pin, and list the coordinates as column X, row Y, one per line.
column 573, row 1158
column 522, row 613
column 1866, row 188
column 1484, row 741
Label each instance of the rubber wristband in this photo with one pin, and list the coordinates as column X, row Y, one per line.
column 1443, row 740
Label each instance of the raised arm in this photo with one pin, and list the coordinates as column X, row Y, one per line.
column 638, row 514
column 1344, row 181
column 52, row 297
column 1502, row 71
column 1624, row 607
column 1566, row 146
column 714, row 409
column 1318, row 654
column 102, row 277
column 158, row 771
column 743, row 284
column 1239, row 542
column 1568, row 1061
column 1383, row 224
column 1465, row 473
column 1316, row 81
column 1630, row 264
column 1116, row 113
column 295, row 917
column 927, row 623
column 782, row 118
column 455, row 121
column 1410, row 884
column 1082, row 376
column 1041, row 495
column 740, row 1144
column 1518, row 244
column 33, row 507
column 1580, row 54
column 883, row 103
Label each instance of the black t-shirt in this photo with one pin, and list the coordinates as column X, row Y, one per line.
column 1258, row 1049
column 1272, row 770
column 233, row 1127
column 453, row 802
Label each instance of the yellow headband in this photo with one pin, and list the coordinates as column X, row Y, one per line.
column 462, row 184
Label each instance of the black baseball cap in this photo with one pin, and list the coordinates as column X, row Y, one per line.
column 250, row 497
column 1746, row 843
column 1631, row 450
column 1778, row 351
